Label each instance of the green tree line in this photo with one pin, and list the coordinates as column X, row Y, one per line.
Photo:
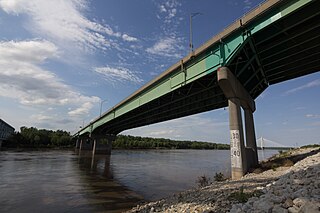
column 135, row 142
column 31, row 137
column 38, row 138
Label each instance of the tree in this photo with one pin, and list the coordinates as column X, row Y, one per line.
column 34, row 138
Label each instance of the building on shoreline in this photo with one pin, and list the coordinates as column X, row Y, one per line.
column 5, row 131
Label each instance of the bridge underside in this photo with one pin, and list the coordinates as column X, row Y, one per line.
column 286, row 49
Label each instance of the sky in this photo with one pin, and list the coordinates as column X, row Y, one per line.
column 59, row 60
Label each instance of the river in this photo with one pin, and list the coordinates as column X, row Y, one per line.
column 66, row 181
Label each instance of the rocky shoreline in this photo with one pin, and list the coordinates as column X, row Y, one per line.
column 289, row 182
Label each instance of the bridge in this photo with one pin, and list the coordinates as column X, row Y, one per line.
column 277, row 41
column 264, row 143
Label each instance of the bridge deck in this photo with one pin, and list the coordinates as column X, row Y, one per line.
column 277, row 41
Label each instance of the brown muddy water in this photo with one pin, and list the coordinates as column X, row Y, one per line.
column 66, row 181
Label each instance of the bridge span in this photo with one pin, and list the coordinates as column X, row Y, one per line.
column 277, row 41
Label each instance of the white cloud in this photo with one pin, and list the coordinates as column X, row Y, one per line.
column 170, row 43
column 247, row 4
column 312, row 116
column 198, row 127
column 311, row 84
column 41, row 117
column 162, row 9
column 64, row 21
column 162, row 132
column 22, row 77
column 128, row 38
column 84, row 109
column 169, row 10
column 118, row 74
column 168, row 47
column 33, row 51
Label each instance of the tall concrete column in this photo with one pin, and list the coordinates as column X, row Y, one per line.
column 81, row 144
column 94, row 147
column 237, row 148
column 85, row 143
column 241, row 157
column 78, row 143
column 251, row 136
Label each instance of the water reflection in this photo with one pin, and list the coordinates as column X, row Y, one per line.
column 103, row 192
column 89, row 163
column 65, row 181
column 60, row 181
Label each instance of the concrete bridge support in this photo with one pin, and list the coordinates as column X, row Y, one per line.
column 237, row 148
column 251, row 138
column 85, row 143
column 78, row 141
column 102, row 144
column 242, row 158
column 98, row 144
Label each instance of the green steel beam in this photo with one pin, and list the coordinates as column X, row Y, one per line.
column 218, row 51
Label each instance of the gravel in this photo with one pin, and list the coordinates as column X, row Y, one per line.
column 284, row 189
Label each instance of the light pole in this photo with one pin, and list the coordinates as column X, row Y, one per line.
column 101, row 106
column 191, row 16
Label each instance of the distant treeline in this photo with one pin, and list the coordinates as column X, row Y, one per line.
column 38, row 138
column 133, row 142
column 41, row 138
column 311, row 146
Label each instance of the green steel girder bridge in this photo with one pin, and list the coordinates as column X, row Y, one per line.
column 277, row 41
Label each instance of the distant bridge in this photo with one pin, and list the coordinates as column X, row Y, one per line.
column 275, row 42
column 264, row 143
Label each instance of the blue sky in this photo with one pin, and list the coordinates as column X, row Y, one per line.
column 59, row 59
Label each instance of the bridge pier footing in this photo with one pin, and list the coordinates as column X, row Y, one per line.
column 242, row 157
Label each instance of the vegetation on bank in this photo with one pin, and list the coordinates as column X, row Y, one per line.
column 134, row 142
column 286, row 158
column 39, row 138
column 31, row 137
column 311, row 146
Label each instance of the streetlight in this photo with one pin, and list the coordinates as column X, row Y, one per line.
column 191, row 16
column 101, row 106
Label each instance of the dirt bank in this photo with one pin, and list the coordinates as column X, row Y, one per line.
column 288, row 182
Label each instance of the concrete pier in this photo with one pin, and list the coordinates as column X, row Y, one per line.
column 242, row 157
column 85, row 143
column 98, row 144
column 237, row 148
column 251, row 138
column 78, row 141
column 102, row 144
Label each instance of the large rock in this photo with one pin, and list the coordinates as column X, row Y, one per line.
column 310, row 207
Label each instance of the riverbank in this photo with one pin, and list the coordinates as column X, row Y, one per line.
column 288, row 182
